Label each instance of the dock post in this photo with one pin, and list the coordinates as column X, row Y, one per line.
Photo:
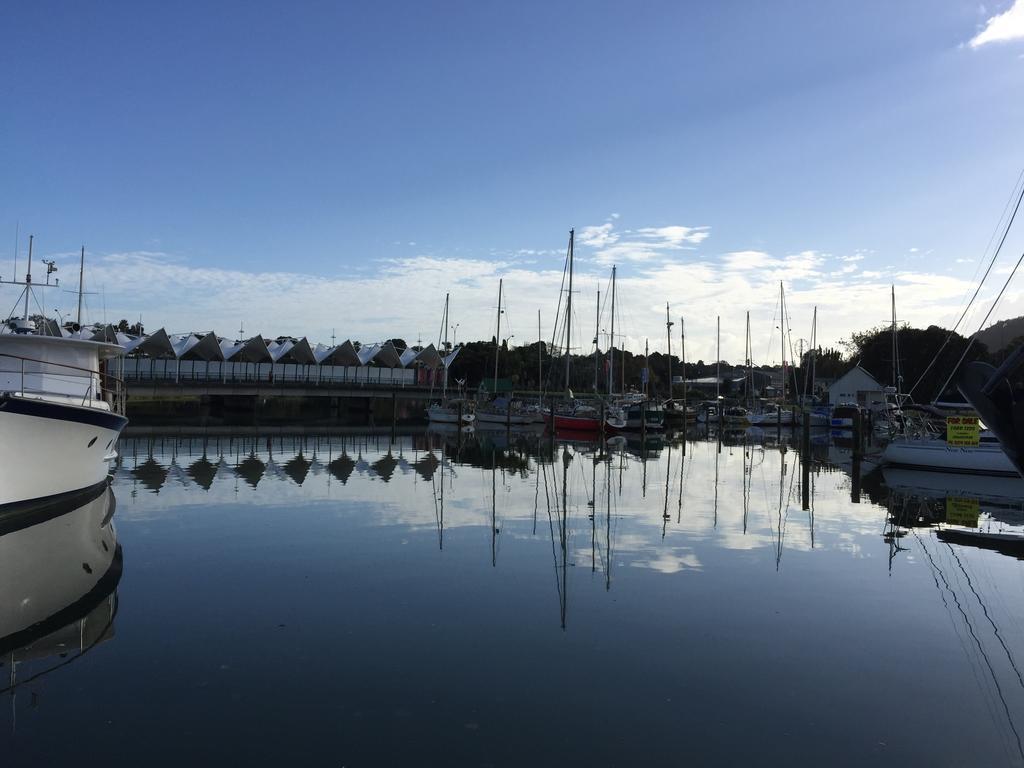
column 394, row 413
column 805, row 481
column 551, row 414
column 458, row 427
column 855, row 485
column 858, row 435
column 805, row 461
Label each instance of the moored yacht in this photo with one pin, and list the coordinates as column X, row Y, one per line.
column 450, row 413
column 59, row 415
column 61, row 411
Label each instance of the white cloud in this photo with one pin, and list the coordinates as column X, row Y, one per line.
column 675, row 236
column 598, row 236
column 403, row 297
column 1002, row 27
column 645, row 244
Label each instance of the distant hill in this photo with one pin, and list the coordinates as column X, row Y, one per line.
column 999, row 335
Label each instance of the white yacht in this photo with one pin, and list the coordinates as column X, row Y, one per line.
column 59, row 415
column 449, row 413
column 934, row 453
column 61, row 410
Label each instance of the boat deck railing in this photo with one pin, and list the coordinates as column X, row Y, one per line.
column 31, row 376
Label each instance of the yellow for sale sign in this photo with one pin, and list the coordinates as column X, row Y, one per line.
column 962, row 430
column 962, row 511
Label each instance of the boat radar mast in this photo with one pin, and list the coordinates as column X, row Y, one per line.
column 24, row 324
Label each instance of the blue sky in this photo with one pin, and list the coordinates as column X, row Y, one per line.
column 318, row 166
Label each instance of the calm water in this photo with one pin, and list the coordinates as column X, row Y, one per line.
column 356, row 600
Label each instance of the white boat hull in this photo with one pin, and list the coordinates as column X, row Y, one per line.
column 985, row 459
column 47, row 448
column 501, row 419
column 771, row 419
column 441, row 415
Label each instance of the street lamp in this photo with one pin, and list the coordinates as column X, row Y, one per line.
column 455, row 333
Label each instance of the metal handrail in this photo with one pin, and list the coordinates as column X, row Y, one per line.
column 106, row 379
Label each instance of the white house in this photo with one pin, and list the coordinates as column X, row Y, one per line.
column 857, row 386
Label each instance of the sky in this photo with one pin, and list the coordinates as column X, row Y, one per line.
column 334, row 169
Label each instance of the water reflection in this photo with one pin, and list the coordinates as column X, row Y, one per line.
column 727, row 566
column 60, row 565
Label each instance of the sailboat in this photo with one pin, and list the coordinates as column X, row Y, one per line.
column 61, row 410
column 501, row 411
column 572, row 415
column 676, row 414
column 447, row 411
column 815, row 415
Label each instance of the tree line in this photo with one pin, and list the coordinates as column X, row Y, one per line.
column 924, row 360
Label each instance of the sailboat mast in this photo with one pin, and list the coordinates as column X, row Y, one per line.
column 497, row 343
column 611, row 343
column 682, row 339
column 568, row 311
column 782, row 336
column 668, row 332
column 81, row 277
column 814, row 349
column 718, row 360
column 750, row 368
column 647, row 369
column 893, row 290
column 444, row 361
column 540, row 357
column 597, row 340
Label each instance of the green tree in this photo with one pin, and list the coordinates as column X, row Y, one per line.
column 918, row 375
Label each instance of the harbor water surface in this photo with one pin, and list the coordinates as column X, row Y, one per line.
column 427, row 599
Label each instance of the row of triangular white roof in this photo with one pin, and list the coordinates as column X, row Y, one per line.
column 209, row 346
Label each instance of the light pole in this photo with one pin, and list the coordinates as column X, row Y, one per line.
column 455, row 333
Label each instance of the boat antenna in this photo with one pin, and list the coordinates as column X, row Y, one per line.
column 28, row 275
column 81, row 276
